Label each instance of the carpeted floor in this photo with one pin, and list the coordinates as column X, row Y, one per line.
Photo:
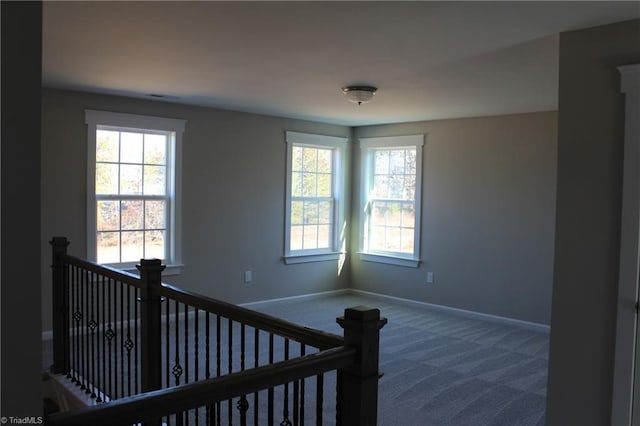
column 440, row 368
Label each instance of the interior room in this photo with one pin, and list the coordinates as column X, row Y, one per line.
column 516, row 226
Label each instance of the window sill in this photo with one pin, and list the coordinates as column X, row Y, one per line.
column 390, row 260
column 168, row 271
column 307, row 258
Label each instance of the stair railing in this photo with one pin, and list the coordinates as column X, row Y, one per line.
column 156, row 353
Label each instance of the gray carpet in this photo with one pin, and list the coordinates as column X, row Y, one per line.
column 440, row 368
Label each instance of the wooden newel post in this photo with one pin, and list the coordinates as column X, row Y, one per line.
column 359, row 382
column 150, row 324
column 59, row 309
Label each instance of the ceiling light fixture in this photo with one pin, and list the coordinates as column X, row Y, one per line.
column 359, row 94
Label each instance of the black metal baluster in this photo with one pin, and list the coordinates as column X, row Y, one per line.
column 186, row 354
column 207, row 367
column 67, row 318
column 319, row 397
column 167, row 343
column 270, row 414
column 339, row 397
column 285, row 406
column 177, row 368
column 128, row 343
column 85, row 338
column 121, row 339
column 74, row 341
column 296, row 413
column 92, row 326
column 196, row 363
column 109, row 335
column 102, row 375
column 243, row 404
column 230, row 367
column 303, row 350
column 99, row 337
column 136, row 376
column 218, row 366
column 256, row 362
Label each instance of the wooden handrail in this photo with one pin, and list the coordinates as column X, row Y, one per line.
column 155, row 404
column 116, row 274
column 309, row 336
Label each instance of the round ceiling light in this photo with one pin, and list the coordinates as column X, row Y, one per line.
column 359, row 94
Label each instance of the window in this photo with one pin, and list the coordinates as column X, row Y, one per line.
column 391, row 177
column 314, row 200
column 133, row 172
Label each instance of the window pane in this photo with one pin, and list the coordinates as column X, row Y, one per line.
column 381, row 162
column 324, row 213
column 324, row 236
column 309, row 160
column 296, row 238
column 131, row 214
column 130, row 180
column 394, row 214
column 132, row 246
column 407, row 241
column 377, row 238
column 106, row 178
column 396, row 160
column 409, row 190
column 408, row 216
column 324, row 185
column 296, row 212
column 310, row 237
column 296, row 184
column 155, row 147
column 396, row 187
column 309, row 185
column 324, row 160
column 131, row 148
column 108, row 215
column 155, row 214
column 107, row 146
column 154, row 180
column 154, row 245
column 310, row 212
column 393, row 239
column 378, row 214
column 381, row 186
column 108, row 247
column 410, row 158
column 296, row 158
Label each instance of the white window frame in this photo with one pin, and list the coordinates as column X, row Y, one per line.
column 367, row 148
column 121, row 121
column 337, row 248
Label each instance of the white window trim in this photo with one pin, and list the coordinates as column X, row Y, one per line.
column 93, row 119
column 339, row 144
column 366, row 163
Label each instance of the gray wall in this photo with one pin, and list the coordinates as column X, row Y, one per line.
column 590, row 152
column 21, row 76
column 233, row 196
column 488, row 202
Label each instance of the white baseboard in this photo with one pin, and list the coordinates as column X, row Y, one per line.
column 299, row 297
column 48, row 334
column 457, row 311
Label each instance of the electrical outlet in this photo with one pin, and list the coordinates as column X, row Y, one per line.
column 248, row 276
column 429, row 277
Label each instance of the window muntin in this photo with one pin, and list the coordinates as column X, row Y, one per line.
column 132, row 197
column 391, row 198
column 133, row 205
column 314, row 201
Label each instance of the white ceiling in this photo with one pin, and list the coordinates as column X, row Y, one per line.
column 430, row 60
